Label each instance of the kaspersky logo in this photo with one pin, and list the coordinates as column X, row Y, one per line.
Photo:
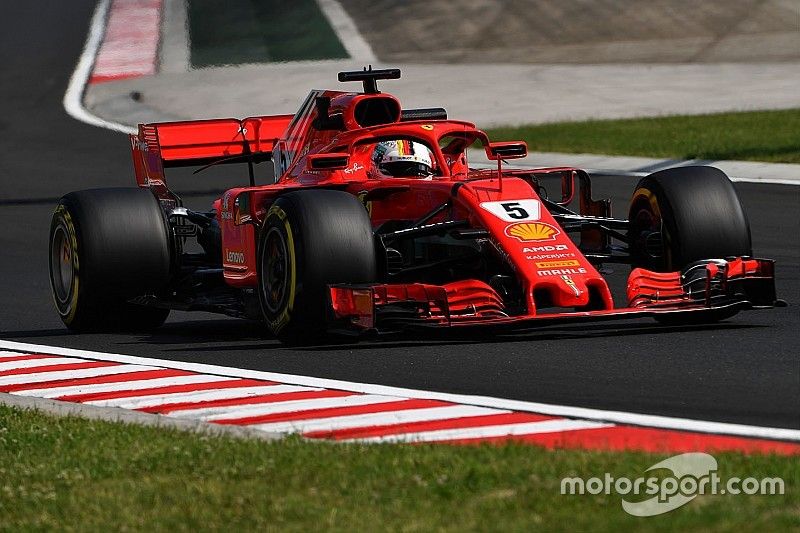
column 532, row 231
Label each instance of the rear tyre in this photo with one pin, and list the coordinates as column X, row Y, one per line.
column 107, row 246
column 309, row 240
column 685, row 214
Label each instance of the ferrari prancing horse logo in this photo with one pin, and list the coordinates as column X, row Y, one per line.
column 362, row 197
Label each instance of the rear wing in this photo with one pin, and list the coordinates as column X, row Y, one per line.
column 201, row 142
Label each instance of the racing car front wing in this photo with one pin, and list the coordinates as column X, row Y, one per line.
column 705, row 291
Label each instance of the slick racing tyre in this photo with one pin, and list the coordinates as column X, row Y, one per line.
column 106, row 247
column 309, row 240
column 681, row 215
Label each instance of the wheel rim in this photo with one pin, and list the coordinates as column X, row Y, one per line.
column 63, row 268
column 275, row 271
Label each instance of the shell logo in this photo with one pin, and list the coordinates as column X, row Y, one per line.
column 532, row 231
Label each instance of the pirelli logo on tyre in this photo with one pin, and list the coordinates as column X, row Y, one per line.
column 557, row 264
column 532, row 231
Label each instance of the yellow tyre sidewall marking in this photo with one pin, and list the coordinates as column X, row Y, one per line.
column 651, row 199
column 648, row 195
column 283, row 318
column 66, row 220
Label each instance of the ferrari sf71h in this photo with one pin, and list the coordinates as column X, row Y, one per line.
column 341, row 241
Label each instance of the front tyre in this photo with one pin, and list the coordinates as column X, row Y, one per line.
column 682, row 215
column 685, row 214
column 310, row 240
column 107, row 246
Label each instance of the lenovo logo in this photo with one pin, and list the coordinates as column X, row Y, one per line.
column 234, row 257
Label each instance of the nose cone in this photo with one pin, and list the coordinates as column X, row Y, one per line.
column 573, row 291
column 562, row 290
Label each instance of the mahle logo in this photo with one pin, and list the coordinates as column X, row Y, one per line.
column 692, row 474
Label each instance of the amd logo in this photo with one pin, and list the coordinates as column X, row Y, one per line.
column 545, row 248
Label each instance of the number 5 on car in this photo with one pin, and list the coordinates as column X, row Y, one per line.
column 514, row 210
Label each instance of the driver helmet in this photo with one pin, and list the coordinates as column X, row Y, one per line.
column 402, row 158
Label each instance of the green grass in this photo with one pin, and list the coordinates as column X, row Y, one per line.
column 755, row 136
column 252, row 31
column 74, row 474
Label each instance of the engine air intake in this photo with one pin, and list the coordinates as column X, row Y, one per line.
column 376, row 110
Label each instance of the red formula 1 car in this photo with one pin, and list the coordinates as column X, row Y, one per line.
column 374, row 221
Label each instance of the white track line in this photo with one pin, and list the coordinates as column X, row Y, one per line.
column 73, row 98
column 346, row 30
column 482, row 432
column 39, row 377
column 235, row 412
column 386, row 418
column 7, row 355
column 619, row 417
column 57, row 392
column 340, row 21
column 141, row 402
column 33, row 363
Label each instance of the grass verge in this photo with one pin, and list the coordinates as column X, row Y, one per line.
column 247, row 31
column 754, row 136
column 69, row 473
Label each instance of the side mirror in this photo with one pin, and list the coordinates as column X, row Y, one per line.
column 506, row 150
column 331, row 161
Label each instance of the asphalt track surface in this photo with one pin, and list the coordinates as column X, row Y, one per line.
column 746, row 370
